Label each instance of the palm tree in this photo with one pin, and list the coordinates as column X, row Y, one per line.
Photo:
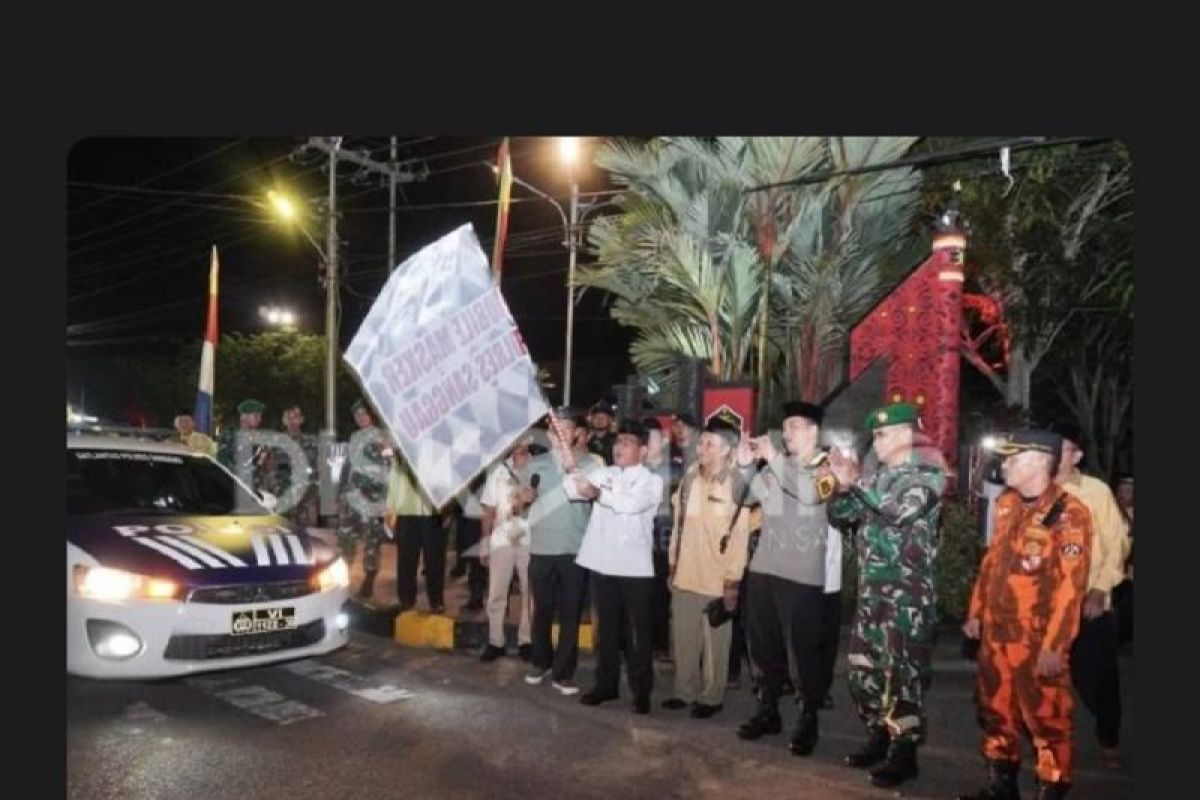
column 691, row 254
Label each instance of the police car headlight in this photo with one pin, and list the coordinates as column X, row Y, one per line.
column 102, row 583
column 335, row 576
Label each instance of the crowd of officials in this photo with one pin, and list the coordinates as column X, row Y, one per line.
column 709, row 549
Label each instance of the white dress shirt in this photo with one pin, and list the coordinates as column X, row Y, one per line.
column 619, row 537
column 833, row 561
column 509, row 530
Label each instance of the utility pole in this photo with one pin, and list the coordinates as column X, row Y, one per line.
column 391, row 265
column 333, row 147
column 572, row 244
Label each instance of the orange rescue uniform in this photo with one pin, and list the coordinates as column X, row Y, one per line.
column 1028, row 597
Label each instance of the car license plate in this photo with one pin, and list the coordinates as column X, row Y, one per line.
column 263, row 620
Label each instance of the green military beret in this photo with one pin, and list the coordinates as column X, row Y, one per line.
column 250, row 407
column 360, row 405
column 893, row 414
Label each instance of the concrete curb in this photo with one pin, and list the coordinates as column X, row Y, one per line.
column 416, row 628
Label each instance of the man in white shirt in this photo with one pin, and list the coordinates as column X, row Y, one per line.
column 617, row 548
column 504, row 548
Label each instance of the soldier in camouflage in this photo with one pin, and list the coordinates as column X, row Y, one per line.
column 361, row 495
column 303, row 507
column 896, row 509
column 254, row 457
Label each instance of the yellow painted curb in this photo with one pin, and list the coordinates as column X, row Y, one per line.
column 417, row 629
column 585, row 636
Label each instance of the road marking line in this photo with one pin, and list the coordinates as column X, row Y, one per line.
column 257, row 700
column 348, row 682
column 143, row 712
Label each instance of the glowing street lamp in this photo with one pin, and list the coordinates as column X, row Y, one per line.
column 282, row 204
column 280, row 317
column 568, row 149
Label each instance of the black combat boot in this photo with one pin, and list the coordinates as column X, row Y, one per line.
column 1052, row 791
column 871, row 753
column 1002, row 782
column 901, row 766
column 804, row 737
column 765, row 720
column 368, row 586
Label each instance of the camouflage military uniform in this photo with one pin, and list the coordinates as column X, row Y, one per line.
column 304, row 510
column 361, row 497
column 897, row 511
column 257, row 461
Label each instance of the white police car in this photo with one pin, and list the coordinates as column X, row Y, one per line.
column 175, row 567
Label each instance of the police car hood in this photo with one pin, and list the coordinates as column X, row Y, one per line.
column 201, row 550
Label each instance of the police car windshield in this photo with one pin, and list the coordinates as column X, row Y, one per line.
column 109, row 481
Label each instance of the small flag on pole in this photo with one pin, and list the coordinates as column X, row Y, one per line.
column 204, row 394
column 504, row 167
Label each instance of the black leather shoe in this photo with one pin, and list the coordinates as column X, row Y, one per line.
column 804, row 737
column 641, row 705
column 703, row 710
column 674, row 704
column 765, row 720
column 871, row 753
column 1052, row 791
column 1002, row 783
column 595, row 697
column 491, row 653
column 901, row 766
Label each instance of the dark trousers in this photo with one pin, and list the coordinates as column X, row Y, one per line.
column 1122, row 598
column 467, row 538
column 738, row 651
column 420, row 536
column 557, row 591
column 783, row 615
column 661, row 612
column 831, row 628
column 1096, row 677
column 623, row 605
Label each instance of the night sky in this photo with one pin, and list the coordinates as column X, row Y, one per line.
column 143, row 214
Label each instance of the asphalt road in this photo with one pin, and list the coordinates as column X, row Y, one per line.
column 375, row 720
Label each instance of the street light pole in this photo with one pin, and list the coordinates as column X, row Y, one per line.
column 571, row 225
column 331, row 296
column 392, row 181
column 572, row 245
